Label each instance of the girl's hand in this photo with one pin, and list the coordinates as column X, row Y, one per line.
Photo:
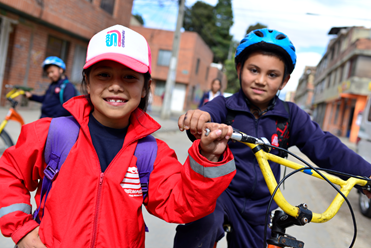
column 194, row 121
column 214, row 142
column 31, row 240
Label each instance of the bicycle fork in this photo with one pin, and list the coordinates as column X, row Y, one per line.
column 11, row 115
column 281, row 221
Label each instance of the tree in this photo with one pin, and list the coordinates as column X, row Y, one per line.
column 212, row 24
column 139, row 18
column 258, row 25
column 200, row 19
column 230, row 71
column 224, row 21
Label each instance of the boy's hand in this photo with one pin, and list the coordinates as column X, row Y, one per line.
column 31, row 240
column 214, row 142
column 27, row 94
column 194, row 121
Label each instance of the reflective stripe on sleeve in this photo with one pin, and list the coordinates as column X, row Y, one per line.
column 23, row 207
column 212, row 172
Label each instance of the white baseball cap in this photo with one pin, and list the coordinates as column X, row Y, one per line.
column 120, row 44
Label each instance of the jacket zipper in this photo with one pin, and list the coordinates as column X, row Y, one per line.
column 97, row 210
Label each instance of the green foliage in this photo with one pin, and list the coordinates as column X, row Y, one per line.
column 258, row 25
column 200, row 19
column 232, row 78
column 139, row 18
column 212, row 24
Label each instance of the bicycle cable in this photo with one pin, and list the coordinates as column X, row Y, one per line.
column 324, row 177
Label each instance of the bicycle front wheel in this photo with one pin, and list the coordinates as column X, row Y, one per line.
column 5, row 141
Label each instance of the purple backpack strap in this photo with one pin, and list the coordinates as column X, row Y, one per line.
column 62, row 135
column 145, row 152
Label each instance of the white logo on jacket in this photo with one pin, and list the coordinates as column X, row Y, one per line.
column 131, row 183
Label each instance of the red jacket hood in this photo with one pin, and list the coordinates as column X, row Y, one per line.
column 140, row 122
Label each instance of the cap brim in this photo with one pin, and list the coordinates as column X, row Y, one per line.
column 119, row 58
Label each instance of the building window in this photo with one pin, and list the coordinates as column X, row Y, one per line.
column 328, row 81
column 369, row 115
column 197, row 66
column 57, row 47
column 337, row 112
column 207, row 73
column 160, row 88
column 108, row 5
column 352, row 68
column 164, row 57
column 78, row 63
column 341, row 74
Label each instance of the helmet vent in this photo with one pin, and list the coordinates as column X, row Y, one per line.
column 280, row 37
column 259, row 33
column 270, row 30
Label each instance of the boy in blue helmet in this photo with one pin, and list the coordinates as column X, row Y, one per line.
column 59, row 91
column 264, row 61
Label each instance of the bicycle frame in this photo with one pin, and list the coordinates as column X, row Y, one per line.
column 12, row 113
column 263, row 157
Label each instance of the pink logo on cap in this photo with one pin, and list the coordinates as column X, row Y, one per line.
column 114, row 38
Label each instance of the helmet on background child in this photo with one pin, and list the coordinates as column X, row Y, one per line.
column 267, row 40
column 53, row 60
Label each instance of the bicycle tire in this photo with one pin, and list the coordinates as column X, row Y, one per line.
column 364, row 205
column 5, row 141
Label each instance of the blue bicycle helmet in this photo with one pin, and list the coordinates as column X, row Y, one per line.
column 53, row 60
column 267, row 40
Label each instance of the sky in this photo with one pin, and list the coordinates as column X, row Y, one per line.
column 308, row 32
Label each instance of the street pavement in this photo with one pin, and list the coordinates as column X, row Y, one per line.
column 161, row 234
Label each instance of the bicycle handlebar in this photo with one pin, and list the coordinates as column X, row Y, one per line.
column 263, row 155
column 19, row 87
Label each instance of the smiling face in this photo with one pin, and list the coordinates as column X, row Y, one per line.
column 53, row 72
column 115, row 92
column 262, row 77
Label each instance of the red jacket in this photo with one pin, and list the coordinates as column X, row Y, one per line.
column 88, row 208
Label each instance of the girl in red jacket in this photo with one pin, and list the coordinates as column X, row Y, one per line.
column 91, row 203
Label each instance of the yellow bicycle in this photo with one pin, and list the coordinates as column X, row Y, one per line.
column 12, row 114
column 297, row 215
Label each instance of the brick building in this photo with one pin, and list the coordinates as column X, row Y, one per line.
column 304, row 91
column 30, row 31
column 343, row 81
column 194, row 73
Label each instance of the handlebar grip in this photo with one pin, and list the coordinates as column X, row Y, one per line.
column 20, row 87
column 23, row 88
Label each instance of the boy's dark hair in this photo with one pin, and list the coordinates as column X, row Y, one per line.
column 47, row 66
column 143, row 102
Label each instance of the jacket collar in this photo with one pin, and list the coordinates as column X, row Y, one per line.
column 141, row 124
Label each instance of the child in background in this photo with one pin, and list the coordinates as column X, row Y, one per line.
column 88, row 205
column 264, row 60
column 216, row 86
column 52, row 101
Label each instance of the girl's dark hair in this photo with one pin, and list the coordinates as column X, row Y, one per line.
column 217, row 79
column 143, row 102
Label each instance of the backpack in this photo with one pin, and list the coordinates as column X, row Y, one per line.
column 59, row 143
column 61, row 92
column 282, row 129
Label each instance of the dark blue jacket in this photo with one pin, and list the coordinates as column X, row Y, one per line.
column 205, row 98
column 248, row 188
column 51, row 105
